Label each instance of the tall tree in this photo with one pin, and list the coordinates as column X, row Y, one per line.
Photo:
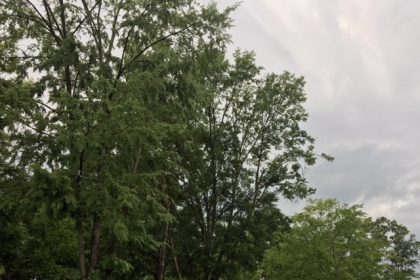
column 91, row 95
column 245, row 151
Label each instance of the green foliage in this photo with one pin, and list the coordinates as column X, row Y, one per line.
column 92, row 92
column 245, row 150
column 401, row 252
column 131, row 147
column 332, row 241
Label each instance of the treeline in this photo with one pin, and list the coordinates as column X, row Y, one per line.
column 331, row 241
column 133, row 148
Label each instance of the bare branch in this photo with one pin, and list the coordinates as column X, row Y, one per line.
column 126, row 42
column 98, row 29
column 48, row 23
column 45, row 105
column 63, row 18
column 89, row 13
column 37, row 130
column 145, row 9
column 113, row 31
column 94, row 28
column 37, row 11
column 84, row 19
column 123, row 52
column 50, row 16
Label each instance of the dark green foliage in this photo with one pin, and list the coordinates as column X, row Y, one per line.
column 92, row 92
column 131, row 147
column 401, row 254
column 245, row 151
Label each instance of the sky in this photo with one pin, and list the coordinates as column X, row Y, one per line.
column 361, row 62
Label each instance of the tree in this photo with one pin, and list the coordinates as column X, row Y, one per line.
column 91, row 94
column 401, row 251
column 131, row 146
column 332, row 241
column 245, row 151
column 327, row 241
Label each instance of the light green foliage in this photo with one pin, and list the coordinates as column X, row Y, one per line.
column 332, row 241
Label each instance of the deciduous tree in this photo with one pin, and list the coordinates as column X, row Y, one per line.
column 333, row 241
column 91, row 94
column 401, row 251
column 327, row 241
column 246, row 151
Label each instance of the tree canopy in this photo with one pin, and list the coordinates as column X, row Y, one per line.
column 132, row 146
column 333, row 241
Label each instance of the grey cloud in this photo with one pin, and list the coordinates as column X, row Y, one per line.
column 386, row 180
column 361, row 62
column 364, row 173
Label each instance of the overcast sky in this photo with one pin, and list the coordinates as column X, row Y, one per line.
column 361, row 61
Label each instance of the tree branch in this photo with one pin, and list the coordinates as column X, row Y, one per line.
column 48, row 23
column 99, row 35
column 142, row 51
column 94, row 28
column 113, row 32
column 45, row 105
column 63, row 19
column 28, row 17
column 123, row 53
column 37, row 11
column 37, row 130
column 24, row 57
column 84, row 19
column 50, row 16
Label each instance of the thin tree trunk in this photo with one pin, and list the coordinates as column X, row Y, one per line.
column 79, row 217
column 82, row 262
column 95, row 246
column 178, row 273
column 160, row 269
column 160, row 272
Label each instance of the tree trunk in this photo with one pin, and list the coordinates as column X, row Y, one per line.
column 82, row 263
column 95, row 246
column 178, row 273
column 160, row 271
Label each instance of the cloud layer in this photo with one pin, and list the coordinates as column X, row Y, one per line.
column 361, row 63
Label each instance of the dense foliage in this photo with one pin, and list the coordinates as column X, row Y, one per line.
column 332, row 241
column 132, row 147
